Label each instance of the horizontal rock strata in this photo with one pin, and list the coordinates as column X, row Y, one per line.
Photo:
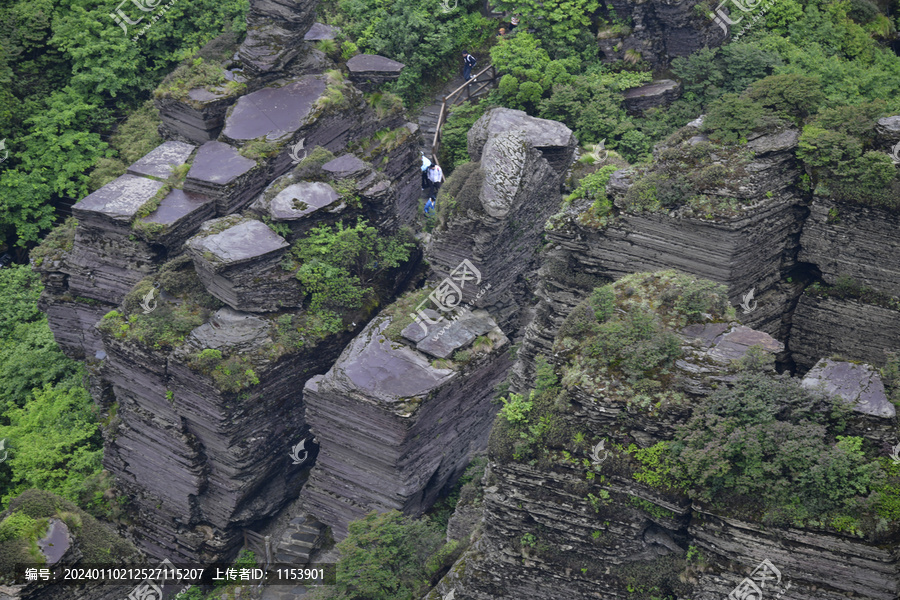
column 860, row 242
column 394, row 430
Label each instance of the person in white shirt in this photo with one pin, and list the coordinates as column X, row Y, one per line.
column 435, row 176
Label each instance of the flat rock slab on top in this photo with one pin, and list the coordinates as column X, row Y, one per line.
column 386, row 370
column 246, row 241
column 320, row 31
column 654, row 88
column 344, row 166
column 372, row 63
column 540, row 133
column 858, row 384
column 160, row 161
column 456, row 334
column 729, row 343
column 231, row 329
column 177, row 205
column 219, row 164
column 273, row 112
column 119, row 199
column 301, row 199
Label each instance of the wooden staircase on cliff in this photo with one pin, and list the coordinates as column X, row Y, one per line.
column 457, row 91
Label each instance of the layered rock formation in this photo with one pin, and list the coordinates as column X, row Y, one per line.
column 275, row 33
column 521, row 163
column 564, row 517
column 396, row 428
column 208, row 398
column 657, row 32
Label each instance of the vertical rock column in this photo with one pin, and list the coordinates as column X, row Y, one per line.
column 522, row 161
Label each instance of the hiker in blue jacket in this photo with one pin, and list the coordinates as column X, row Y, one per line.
column 468, row 62
column 429, row 207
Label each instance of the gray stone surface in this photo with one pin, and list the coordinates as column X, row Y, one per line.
column 446, row 337
column 196, row 119
column 320, row 31
column 656, row 94
column 861, row 242
column 301, row 199
column 247, row 241
column 344, row 166
column 660, row 31
column 523, row 161
column 221, row 173
column 368, row 71
column 240, row 266
column 117, row 202
column 394, row 429
column 550, row 137
column 857, row 384
column 275, row 30
column 274, row 112
column 372, row 63
column 855, row 330
column 229, row 329
column 888, row 128
column 182, row 213
column 160, row 161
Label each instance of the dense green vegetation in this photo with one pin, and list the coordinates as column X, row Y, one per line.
column 389, row 556
column 47, row 418
column 415, row 32
column 772, row 450
column 622, row 332
column 69, row 76
column 340, row 267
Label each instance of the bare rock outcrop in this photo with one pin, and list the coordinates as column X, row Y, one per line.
column 394, row 427
column 859, row 242
column 522, row 161
column 275, row 31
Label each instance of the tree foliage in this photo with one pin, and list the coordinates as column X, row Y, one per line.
column 48, row 419
column 68, row 72
column 339, row 266
column 388, row 556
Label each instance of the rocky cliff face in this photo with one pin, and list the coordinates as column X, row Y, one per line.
column 559, row 522
column 395, row 428
column 500, row 209
column 659, row 31
column 192, row 357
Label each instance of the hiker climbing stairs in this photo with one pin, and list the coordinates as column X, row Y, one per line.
column 455, row 92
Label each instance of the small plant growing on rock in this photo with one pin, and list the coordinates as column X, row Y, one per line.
column 516, row 408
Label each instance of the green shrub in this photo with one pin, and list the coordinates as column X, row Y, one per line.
column 516, row 408
column 454, row 141
column 389, row 556
column 732, row 118
column 340, row 267
column 19, row 526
